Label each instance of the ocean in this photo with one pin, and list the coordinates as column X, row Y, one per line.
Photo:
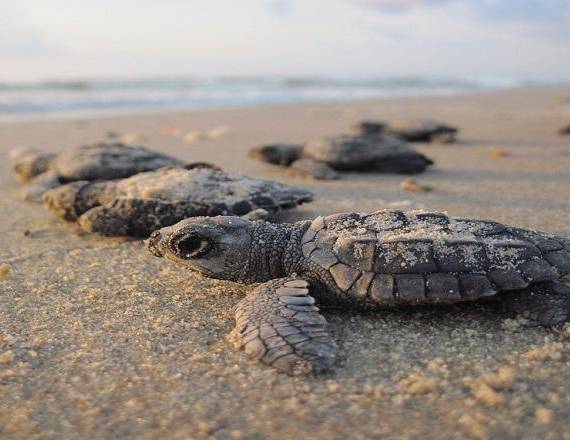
column 33, row 100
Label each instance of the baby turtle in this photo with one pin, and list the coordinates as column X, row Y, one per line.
column 368, row 261
column 411, row 130
column 138, row 205
column 102, row 161
column 321, row 157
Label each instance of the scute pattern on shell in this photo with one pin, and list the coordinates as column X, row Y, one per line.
column 391, row 257
column 138, row 205
column 239, row 193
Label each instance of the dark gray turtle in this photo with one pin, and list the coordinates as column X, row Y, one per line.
column 278, row 153
column 104, row 161
column 411, row 130
column 387, row 258
column 138, row 205
column 321, row 157
column 371, row 128
column 564, row 130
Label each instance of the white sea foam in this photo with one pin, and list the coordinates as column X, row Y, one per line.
column 28, row 100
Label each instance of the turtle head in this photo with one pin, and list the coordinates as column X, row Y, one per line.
column 217, row 247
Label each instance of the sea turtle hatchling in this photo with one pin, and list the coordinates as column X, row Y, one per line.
column 41, row 171
column 369, row 261
column 139, row 204
column 415, row 130
column 322, row 157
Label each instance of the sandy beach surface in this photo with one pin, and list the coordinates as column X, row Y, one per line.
column 99, row 339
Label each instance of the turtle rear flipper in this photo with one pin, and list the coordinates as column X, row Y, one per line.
column 279, row 324
column 547, row 303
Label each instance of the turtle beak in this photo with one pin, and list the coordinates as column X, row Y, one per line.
column 154, row 244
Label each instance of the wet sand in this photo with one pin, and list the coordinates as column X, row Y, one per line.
column 98, row 339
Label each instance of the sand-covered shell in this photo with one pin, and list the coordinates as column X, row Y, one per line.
column 147, row 201
column 234, row 193
column 390, row 257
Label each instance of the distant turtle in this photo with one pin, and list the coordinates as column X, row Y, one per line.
column 42, row 171
column 387, row 258
column 371, row 128
column 321, row 157
column 138, row 205
column 564, row 130
column 411, row 130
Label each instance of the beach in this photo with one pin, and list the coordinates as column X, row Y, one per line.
column 99, row 339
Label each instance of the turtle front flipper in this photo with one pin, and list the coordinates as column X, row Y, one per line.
column 547, row 303
column 138, row 217
column 279, row 324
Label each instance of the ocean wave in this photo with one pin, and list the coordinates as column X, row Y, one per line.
column 198, row 92
column 259, row 81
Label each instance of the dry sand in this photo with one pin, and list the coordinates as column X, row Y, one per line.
column 98, row 339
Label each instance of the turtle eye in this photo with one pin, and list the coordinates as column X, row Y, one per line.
column 190, row 246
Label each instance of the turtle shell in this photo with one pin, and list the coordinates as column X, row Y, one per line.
column 108, row 161
column 354, row 152
column 228, row 193
column 392, row 257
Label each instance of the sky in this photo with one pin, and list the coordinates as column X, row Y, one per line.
column 78, row 39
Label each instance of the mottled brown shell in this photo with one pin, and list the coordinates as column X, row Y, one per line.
column 392, row 257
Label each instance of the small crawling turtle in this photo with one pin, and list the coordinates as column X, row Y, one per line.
column 411, row 131
column 138, row 205
column 320, row 158
column 387, row 258
column 103, row 161
column 564, row 130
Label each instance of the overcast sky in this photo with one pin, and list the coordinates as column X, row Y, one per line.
column 42, row 39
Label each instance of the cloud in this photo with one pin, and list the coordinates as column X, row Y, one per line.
column 493, row 10
column 525, row 10
column 279, row 8
column 463, row 38
column 400, row 5
column 21, row 39
column 22, row 43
